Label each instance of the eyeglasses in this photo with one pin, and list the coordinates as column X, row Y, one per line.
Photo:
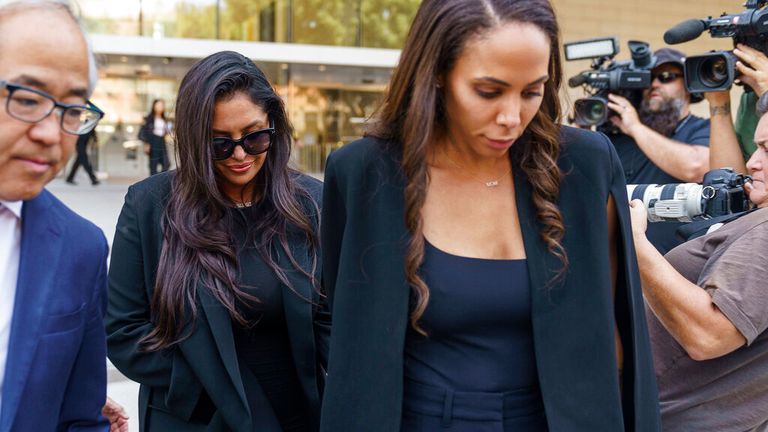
column 254, row 143
column 32, row 106
column 666, row 77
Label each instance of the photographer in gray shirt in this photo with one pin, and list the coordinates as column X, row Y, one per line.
column 708, row 313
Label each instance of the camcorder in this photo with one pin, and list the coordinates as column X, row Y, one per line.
column 627, row 78
column 721, row 193
column 716, row 70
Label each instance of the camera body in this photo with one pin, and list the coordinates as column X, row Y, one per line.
column 721, row 193
column 716, row 71
column 627, row 77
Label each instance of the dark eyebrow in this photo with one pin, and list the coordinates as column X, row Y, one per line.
column 243, row 130
column 31, row 81
column 506, row 84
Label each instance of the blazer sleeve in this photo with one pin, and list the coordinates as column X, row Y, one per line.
column 128, row 310
column 637, row 346
column 86, row 393
column 332, row 228
column 321, row 313
column 322, row 323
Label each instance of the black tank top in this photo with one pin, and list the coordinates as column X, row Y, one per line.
column 478, row 321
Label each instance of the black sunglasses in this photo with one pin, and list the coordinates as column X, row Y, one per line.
column 254, row 143
column 666, row 77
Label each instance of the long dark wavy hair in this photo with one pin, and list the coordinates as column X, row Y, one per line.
column 436, row 39
column 198, row 245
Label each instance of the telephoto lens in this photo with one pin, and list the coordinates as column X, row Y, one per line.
column 681, row 202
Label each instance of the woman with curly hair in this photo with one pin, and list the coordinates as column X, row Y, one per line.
column 481, row 275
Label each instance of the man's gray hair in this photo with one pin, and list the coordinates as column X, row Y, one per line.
column 762, row 105
column 73, row 11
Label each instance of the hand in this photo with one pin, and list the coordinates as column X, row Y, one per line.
column 718, row 98
column 639, row 217
column 115, row 413
column 753, row 66
column 627, row 118
column 147, row 149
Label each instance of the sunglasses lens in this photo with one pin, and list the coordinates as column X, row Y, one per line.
column 666, row 77
column 257, row 143
column 222, row 148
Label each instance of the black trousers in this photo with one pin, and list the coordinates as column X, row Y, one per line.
column 157, row 155
column 82, row 160
column 433, row 409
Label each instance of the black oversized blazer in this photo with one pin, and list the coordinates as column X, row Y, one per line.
column 204, row 365
column 364, row 242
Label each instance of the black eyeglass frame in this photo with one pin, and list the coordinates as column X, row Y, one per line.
column 666, row 77
column 56, row 104
column 241, row 142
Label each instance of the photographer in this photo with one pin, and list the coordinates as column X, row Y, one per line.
column 731, row 144
column 662, row 142
column 707, row 301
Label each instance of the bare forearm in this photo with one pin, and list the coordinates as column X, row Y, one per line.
column 683, row 161
column 685, row 310
column 724, row 148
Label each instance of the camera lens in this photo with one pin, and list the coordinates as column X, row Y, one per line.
column 590, row 111
column 714, row 71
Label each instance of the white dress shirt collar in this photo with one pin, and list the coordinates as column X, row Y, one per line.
column 13, row 206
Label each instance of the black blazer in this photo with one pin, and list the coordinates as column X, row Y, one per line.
column 364, row 243
column 204, row 365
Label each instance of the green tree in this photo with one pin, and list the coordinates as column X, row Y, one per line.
column 386, row 22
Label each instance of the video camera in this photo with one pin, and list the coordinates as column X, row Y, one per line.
column 716, row 71
column 605, row 76
column 721, row 193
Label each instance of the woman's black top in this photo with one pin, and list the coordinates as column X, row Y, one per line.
column 478, row 321
column 263, row 348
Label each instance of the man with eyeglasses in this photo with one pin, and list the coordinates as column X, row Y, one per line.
column 661, row 142
column 52, row 262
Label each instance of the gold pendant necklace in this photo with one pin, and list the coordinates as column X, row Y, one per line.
column 488, row 183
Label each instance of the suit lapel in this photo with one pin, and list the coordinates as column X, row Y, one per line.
column 41, row 247
column 221, row 328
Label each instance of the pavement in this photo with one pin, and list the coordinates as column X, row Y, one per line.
column 101, row 205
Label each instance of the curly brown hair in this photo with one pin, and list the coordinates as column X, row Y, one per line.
column 435, row 41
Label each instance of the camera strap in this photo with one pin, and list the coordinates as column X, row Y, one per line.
column 695, row 229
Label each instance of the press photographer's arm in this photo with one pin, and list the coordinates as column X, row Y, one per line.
column 680, row 160
column 685, row 309
column 724, row 143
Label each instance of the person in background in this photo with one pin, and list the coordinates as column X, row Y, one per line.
column 53, row 263
column 729, row 145
column 81, row 158
column 661, row 142
column 481, row 276
column 214, row 303
column 708, row 316
column 153, row 133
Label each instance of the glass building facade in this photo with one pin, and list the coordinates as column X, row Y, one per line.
column 329, row 59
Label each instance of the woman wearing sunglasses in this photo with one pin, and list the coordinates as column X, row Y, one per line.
column 213, row 306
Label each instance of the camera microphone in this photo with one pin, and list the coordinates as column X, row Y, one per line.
column 577, row 80
column 685, row 31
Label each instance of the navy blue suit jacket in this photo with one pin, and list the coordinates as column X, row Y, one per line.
column 55, row 376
